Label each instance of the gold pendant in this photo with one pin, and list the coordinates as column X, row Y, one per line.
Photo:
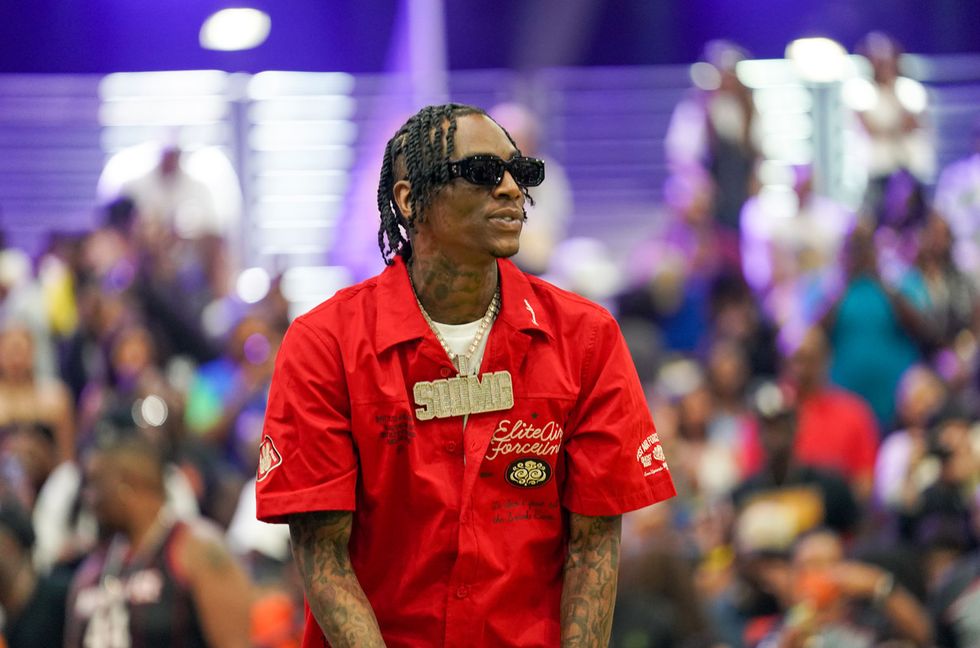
column 463, row 395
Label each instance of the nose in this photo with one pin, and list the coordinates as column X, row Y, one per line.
column 508, row 188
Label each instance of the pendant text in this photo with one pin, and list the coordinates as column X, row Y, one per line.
column 462, row 395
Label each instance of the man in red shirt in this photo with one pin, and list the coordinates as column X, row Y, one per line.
column 837, row 429
column 453, row 442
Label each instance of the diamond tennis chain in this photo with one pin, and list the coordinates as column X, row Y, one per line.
column 462, row 361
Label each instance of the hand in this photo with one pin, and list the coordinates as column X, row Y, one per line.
column 856, row 579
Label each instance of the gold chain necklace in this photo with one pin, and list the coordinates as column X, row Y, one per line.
column 462, row 361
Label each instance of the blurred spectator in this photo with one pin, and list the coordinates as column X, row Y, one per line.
column 901, row 469
column 31, row 446
column 834, row 601
column 785, row 485
column 671, row 301
column 689, row 228
column 955, row 606
column 716, row 128
column 227, row 398
column 836, row 430
column 874, row 331
column 728, row 377
column 136, row 394
column 790, row 246
column 103, row 310
column 22, row 305
column 28, row 398
column 263, row 547
column 957, row 200
column 168, row 197
column 947, row 298
column 671, row 273
column 33, row 604
column 657, row 603
column 705, row 461
column 548, row 218
column 735, row 316
column 157, row 581
column 947, row 485
column 892, row 110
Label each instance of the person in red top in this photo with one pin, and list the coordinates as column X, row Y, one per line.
column 837, row 429
column 453, row 442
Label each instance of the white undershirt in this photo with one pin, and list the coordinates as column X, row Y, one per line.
column 459, row 337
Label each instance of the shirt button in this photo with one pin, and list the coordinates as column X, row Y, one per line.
column 451, row 447
column 462, row 591
column 444, row 372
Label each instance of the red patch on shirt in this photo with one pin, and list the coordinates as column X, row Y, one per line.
column 269, row 458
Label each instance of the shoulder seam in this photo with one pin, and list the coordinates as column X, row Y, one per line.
column 323, row 342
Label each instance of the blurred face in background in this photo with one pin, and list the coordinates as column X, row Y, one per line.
column 936, row 238
column 920, row 394
column 860, row 256
column 33, row 451
column 960, row 464
column 807, row 366
column 814, row 558
column 16, row 354
column 133, row 352
column 727, row 368
column 103, row 492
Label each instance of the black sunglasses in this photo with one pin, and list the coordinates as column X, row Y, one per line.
column 488, row 170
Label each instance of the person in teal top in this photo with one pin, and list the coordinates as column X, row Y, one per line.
column 875, row 334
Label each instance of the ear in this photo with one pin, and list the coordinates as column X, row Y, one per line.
column 402, row 192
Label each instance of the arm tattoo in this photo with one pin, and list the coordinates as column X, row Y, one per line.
column 589, row 592
column 335, row 596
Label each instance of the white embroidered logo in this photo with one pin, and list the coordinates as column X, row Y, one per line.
column 518, row 437
column 650, row 451
column 269, row 458
column 531, row 310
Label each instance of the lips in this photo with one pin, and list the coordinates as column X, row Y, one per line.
column 508, row 218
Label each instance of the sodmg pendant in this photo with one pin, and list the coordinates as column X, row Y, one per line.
column 462, row 395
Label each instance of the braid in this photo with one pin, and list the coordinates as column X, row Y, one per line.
column 424, row 144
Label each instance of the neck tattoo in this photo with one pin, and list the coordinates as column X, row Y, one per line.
column 466, row 393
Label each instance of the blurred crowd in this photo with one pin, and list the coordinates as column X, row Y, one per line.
column 813, row 375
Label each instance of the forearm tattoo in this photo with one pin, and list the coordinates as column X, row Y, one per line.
column 334, row 595
column 589, row 591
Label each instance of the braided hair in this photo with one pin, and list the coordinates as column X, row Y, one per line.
column 416, row 153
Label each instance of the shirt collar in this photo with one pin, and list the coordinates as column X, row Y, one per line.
column 400, row 320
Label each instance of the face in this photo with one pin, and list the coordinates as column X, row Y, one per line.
column 102, row 491
column 808, row 363
column 920, row 394
column 470, row 222
column 936, row 237
column 727, row 368
column 35, row 454
column 133, row 352
column 16, row 353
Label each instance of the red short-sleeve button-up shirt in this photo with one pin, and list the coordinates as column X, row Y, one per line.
column 459, row 536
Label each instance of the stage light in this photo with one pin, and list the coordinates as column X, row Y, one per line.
column 819, row 60
column 235, row 29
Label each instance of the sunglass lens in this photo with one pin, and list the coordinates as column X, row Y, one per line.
column 528, row 171
column 484, row 172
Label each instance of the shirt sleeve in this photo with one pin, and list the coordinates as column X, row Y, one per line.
column 307, row 459
column 613, row 457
